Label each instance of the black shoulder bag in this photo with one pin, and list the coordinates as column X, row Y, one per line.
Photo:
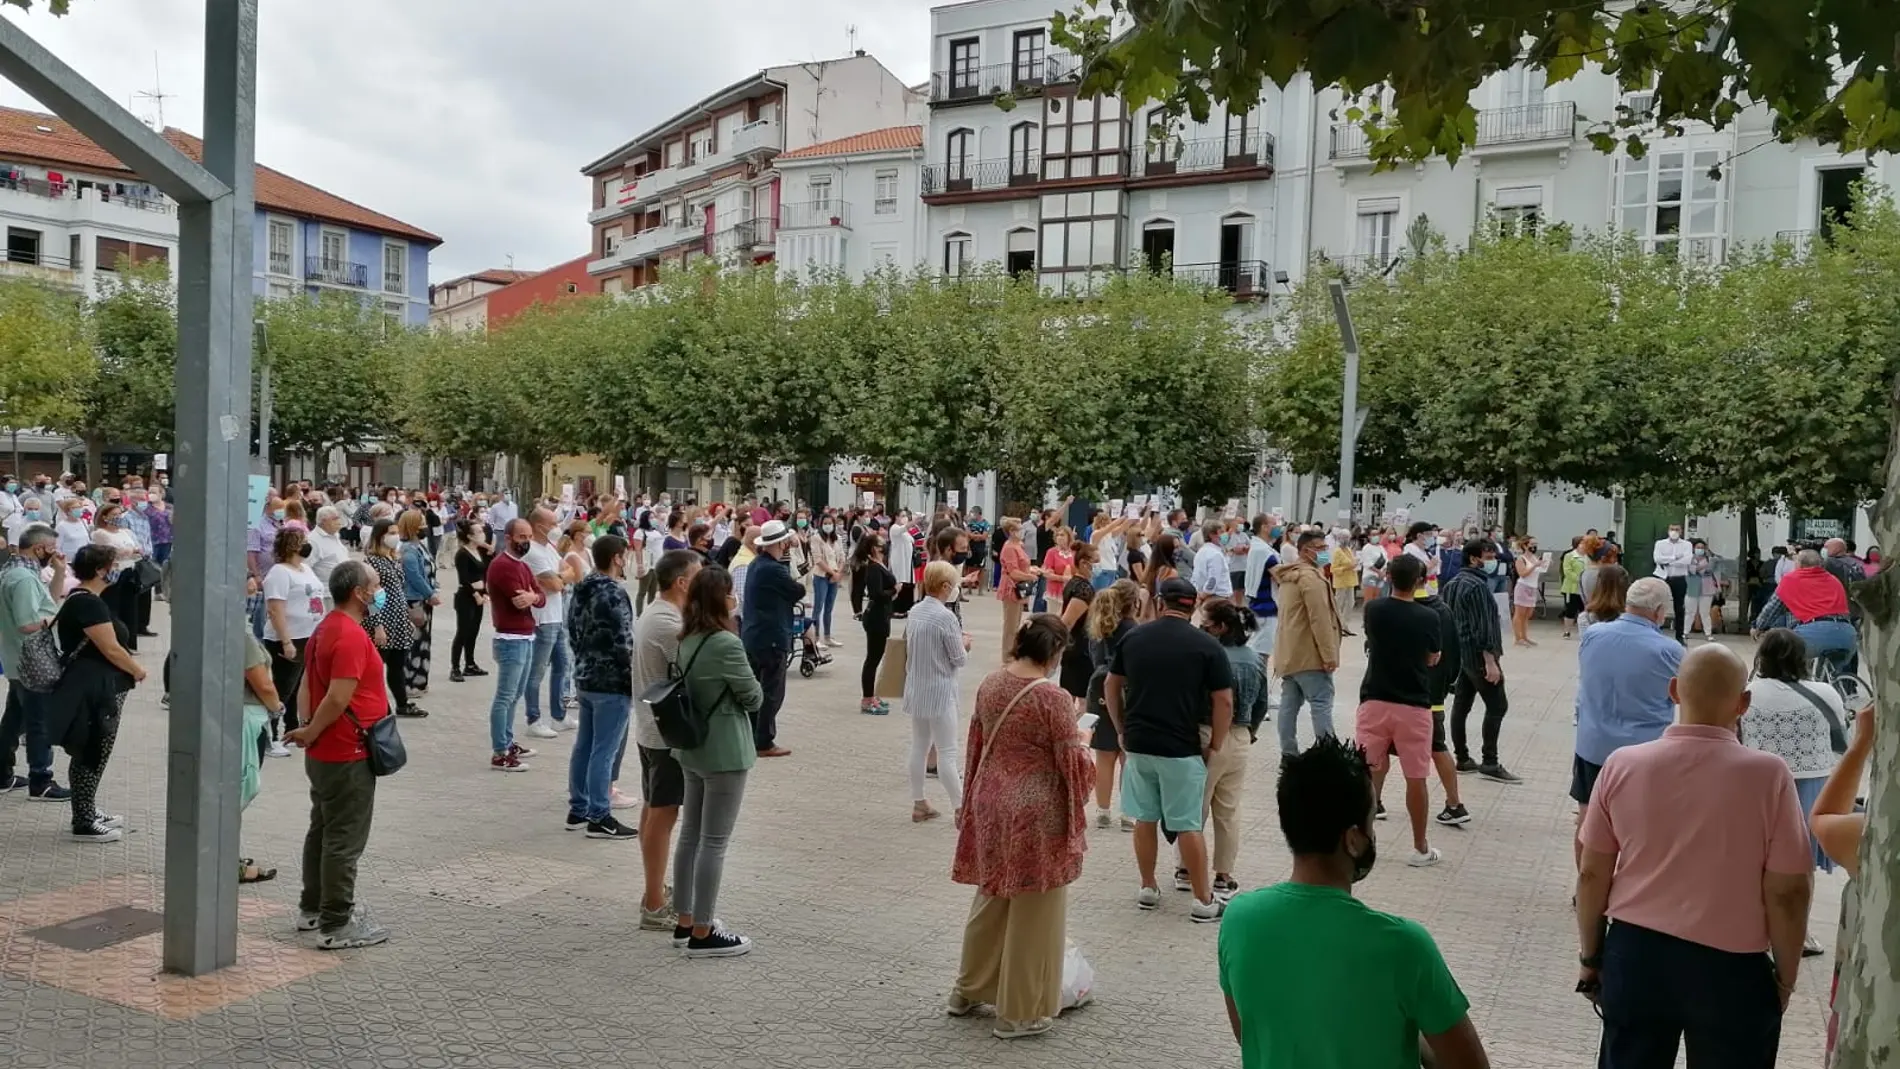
column 678, row 717
column 383, row 743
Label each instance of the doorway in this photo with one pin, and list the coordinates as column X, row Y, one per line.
column 1157, row 247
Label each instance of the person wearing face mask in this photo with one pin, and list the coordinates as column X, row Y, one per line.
column 136, row 520
column 28, row 604
column 391, row 625
column 1293, row 957
column 827, row 555
column 71, row 527
column 33, row 510
column 1421, row 541
column 9, row 497
column 771, row 594
column 1481, row 647
column 1306, row 650
column 1673, row 556
column 873, row 589
column 600, row 626
column 123, row 593
column 84, row 709
column 513, row 595
column 937, row 649
column 158, row 519
column 293, row 600
column 1703, row 584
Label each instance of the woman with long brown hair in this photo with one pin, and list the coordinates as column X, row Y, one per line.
column 293, row 607
column 1019, row 579
column 419, row 592
column 1161, row 568
column 1110, row 619
column 1609, row 594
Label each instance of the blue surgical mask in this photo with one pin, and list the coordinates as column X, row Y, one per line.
column 141, row 505
column 12, row 487
column 376, row 603
column 277, row 514
column 32, row 515
column 1493, row 567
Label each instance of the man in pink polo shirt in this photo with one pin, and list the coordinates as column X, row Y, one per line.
column 1694, row 848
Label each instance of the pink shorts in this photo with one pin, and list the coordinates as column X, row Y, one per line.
column 1381, row 726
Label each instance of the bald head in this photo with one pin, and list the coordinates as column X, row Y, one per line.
column 1836, row 547
column 543, row 520
column 1711, row 686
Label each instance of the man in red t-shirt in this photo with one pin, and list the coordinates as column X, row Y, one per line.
column 343, row 694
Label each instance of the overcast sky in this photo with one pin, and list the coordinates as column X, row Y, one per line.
column 468, row 118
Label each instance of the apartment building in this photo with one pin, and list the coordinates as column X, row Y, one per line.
column 73, row 212
column 1020, row 170
column 462, row 303
column 852, row 204
column 1702, row 193
column 703, row 183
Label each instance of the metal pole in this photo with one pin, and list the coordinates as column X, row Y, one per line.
column 1350, row 417
column 208, row 618
column 263, row 414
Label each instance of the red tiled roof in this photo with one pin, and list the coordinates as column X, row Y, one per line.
column 41, row 138
column 504, row 276
column 889, row 139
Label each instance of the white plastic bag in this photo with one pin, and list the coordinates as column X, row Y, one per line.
column 1078, row 979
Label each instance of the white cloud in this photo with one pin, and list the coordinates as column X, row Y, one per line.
column 468, row 118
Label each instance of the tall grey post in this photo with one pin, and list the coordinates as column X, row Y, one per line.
column 1350, row 416
column 209, row 456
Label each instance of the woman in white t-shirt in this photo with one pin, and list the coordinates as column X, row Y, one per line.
column 326, row 545
column 122, row 591
column 293, row 602
column 71, row 527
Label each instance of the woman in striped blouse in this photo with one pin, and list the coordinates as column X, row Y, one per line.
column 936, row 648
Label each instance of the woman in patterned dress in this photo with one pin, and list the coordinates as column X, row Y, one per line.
column 1022, row 835
column 419, row 592
column 392, row 628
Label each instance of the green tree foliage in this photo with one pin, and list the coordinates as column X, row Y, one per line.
column 1827, row 70
column 130, row 395
column 45, row 358
column 332, row 378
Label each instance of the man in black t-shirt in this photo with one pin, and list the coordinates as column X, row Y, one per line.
column 1403, row 646
column 1165, row 680
column 1444, row 678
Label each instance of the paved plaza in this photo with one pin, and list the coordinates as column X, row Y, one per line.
column 516, row 944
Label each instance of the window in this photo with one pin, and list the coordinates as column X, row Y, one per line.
column 1028, row 56
column 885, row 199
column 963, row 67
column 1519, row 209
column 393, row 311
column 335, row 246
column 1022, row 151
column 1836, row 196
column 673, row 153
column 609, row 240
column 616, row 284
column 959, row 159
column 1157, row 245
column 23, row 246
column 820, row 187
column 1378, row 225
column 1670, row 200
column 1022, row 252
column 283, row 247
column 108, row 252
column 395, row 267
column 1081, row 233
column 884, row 252
column 957, row 255
column 1243, row 136
column 280, row 291
column 1523, row 87
column 1368, row 506
column 1082, row 138
column 75, row 251
column 702, row 145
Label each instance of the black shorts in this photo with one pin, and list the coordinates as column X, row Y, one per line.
column 662, row 783
column 1573, row 606
column 1583, row 779
column 1438, row 733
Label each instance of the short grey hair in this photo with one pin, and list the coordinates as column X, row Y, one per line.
column 348, row 578
column 381, row 510
column 1647, row 596
column 329, row 512
column 34, row 534
column 1807, row 558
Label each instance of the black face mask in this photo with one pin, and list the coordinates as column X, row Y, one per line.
column 959, row 558
column 304, row 550
column 519, row 549
column 1362, row 863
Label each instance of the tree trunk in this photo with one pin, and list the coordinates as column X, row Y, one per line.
column 530, row 474
column 1744, row 583
column 1517, row 504
column 1312, row 500
column 95, row 458
column 1869, row 993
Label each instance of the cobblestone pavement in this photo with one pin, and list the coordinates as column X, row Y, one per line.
column 516, row 944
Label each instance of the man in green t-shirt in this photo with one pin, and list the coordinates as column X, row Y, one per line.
column 27, row 606
column 1314, row 978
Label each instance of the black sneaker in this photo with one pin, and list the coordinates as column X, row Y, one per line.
column 610, row 829
column 474, row 670
column 49, row 792
column 682, row 934
column 1466, row 764
column 455, row 677
column 1453, row 815
column 1498, row 773
column 718, row 943
column 1379, row 813
column 575, row 823
column 413, row 712
column 11, row 783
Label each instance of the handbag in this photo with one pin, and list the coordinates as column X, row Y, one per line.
column 40, row 663
column 146, row 574
column 681, row 723
column 890, row 674
column 1025, row 589
column 990, row 733
column 382, row 743
column 1836, row 733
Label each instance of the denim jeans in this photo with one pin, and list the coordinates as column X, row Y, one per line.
column 512, row 658
column 1834, row 639
column 824, row 598
column 550, row 650
column 1315, row 688
column 597, row 740
column 26, row 714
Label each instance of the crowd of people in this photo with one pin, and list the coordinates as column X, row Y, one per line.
column 1138, row 646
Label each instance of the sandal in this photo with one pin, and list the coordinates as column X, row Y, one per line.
column 921, row 813
column 248, row 872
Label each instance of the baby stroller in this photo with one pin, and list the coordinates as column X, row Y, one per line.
column 808, row 652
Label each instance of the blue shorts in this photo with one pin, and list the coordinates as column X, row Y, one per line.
column 1168, row 790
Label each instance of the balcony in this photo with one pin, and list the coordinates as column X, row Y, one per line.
column 971, row 84
column 972, row 175
column 22, row 263
column 281, row 263
column 1526, row 124
column 1245, row 279
column 1798, row 241
column 759, row 135
column 70, row 189
column 323, row 270
column 809, row 215
column 744, row 239
column 1162, row 158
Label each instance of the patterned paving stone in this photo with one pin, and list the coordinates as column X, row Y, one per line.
column 518, row 944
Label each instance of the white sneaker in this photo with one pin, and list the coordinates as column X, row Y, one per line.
column 1103, row 819
column 540, row 730
column 834, row 643
column 1148, row 898
column 566, row 724
column 1430, row 857
column 277, row 749
column 622, row 801
column 1207, row 912
column 1021, row 1029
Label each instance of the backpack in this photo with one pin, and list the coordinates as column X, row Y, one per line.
column 681, row 722
column 41, row 664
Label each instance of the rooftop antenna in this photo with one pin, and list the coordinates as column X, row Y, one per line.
column 157, row 94
column 851, row 36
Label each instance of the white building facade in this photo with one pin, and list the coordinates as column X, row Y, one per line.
column 852, row 204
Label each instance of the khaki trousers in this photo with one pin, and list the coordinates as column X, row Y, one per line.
column 1012, row 953
column 1226, row 775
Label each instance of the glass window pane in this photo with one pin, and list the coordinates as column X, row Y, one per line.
column 1084, row 110
column 1055, row 140
column 1078, row 206
column 1668, row 219
column 1108, row 164
column 1635, row 220
column 1078, row 245
column 1109, row 108
column 1054, row 169
column 1084, row 138
column 1702, row 186
column 1107, row 202
column 1668, row 161
column 1051, row 244
column 1084, row 167
column 1104, row 246
column 1111, row 135
column 1702, row 217
column 1635, row 188
column 1052, row 205
column 1669, row 187
column 1052, row 107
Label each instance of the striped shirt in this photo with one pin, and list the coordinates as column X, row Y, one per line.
column 933, row 641
column 1468, row 596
